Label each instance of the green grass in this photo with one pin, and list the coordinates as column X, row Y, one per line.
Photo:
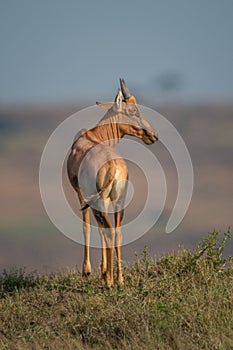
column 183, row 301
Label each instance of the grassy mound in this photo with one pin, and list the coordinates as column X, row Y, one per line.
column 183, row 301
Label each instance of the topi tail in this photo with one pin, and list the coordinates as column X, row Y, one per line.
column 90, row 200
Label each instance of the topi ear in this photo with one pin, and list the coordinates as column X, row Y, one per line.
column 126, row 93
column 119, row 99
column 104, row 105
column 131, row 99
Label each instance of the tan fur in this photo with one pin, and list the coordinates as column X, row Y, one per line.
column 95, row 163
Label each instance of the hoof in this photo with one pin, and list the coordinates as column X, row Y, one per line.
column 86, row 274
column 109, row 284
column 121, row 282
column 104, row 274
column 86, row 270
column 120, row 279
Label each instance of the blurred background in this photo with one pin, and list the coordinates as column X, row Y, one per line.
column 59, row 57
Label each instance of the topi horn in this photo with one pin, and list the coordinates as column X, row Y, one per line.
column 119, row 96
column 125, row 91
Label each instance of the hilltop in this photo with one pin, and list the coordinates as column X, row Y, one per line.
column 182, row 301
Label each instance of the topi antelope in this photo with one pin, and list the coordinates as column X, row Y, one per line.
column 99, row 175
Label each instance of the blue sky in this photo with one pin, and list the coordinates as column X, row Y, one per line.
column 57, row 51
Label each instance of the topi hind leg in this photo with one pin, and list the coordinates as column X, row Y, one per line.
column 104, row 255
column 118, row 243
column 108, row 240
column 86, row 232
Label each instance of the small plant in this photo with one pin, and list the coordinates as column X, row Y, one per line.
column 143, row 262
column 210, row 250
column 14, row 280
column 212, row 247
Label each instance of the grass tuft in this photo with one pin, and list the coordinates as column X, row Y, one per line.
column 11, row 282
